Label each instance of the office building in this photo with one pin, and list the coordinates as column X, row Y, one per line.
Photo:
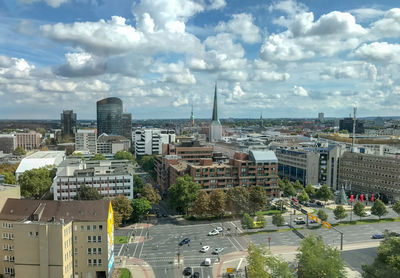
column 109, row 177
column 321, row 118
column 150, row 141
column 28, row 141
column 8, row 143
column 47, row 239
column 109, row 116
column 347, row 124
column 40, row 159
column 68, row 123
column 298, row 164
column 86, row 141
column 215, row 133
column 111, row 144
column 127, row 126
column 8, row 191
column 246, row 170
column 370, row 174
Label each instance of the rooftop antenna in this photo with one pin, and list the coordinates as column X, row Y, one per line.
column 354, row 128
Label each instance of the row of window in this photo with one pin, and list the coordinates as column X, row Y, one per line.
column 93, row 239
column 93, row 227
column 9, row 270
column 9, row 258
column 7, row 225
column 73, row 189
column 8, row 247
column 94, row 251
column 94, row 262
column 8, row 236
column 94, row 182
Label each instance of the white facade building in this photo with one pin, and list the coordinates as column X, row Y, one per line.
column 107, row 144
column 150, row 141
column 86, row 141
column 109, row 177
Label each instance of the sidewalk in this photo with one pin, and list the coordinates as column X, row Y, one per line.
column 138, row 268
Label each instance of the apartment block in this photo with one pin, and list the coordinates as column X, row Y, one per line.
column 298, row 164
column 150, row 141
column 109, row 177
column 190, row 151
column 107, row 144
column 28, row 141
column 86, row 141
column 370, row 174
column 246, row 170
column 8, row 143
column 46, row 239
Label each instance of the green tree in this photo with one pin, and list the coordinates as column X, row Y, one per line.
column 147, row 163
column 379, row 209
column 151, row 194
column 237, row 200
column 262, row 264
column 9, row 178
column 122, row 209
column 201, row 205
column 322, row 215
column 319, row 260
column 217, row 202
column 19, row 151
column 359, row 209
column 282, row 184
column 289, row 191
column 247, row 221
column 303, row 196
column 298, row 186
column 34, row 183
column 138, row 184
column 396, row 207
column 278, row 220
column 87, row 193
column 124, row 155
column 141, row 207
column 261, row 221
column 98, row 156
column 182, row 193
column 340, row 213
column 325, row 193
column 387, row 263
column 310, row 190
column 257, row 198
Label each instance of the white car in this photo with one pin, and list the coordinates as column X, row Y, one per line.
column 367, row 213
column 207, row 262
column 217, row 250
column 213, row 233
column 219, row 229
column 204, row 249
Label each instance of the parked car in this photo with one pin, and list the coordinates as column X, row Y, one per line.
column 207, row 262
column 213, row 233
column 187, row 271
column 184, row 241
column 298, row 219
column 312, row 201
column 377, row 236
column 319, row 204
column 204, row 249
column 164, row 215
column 394, row 234
column 367, row 213
column 301, row 222
column 217, row 250
column 196, row 275
column 219, row 229
column 294, row 200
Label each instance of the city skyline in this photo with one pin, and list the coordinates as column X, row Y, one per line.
column 281, row 59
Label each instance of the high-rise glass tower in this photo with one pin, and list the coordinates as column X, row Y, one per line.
column 127, row 126
column 68, row 123
column 109, row 116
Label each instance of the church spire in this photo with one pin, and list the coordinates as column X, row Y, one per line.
column 261, row 120
column 215, row 108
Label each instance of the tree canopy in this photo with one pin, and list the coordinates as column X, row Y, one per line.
column 124, row 155
column 289, row 190
column 19, row 151
column 87, row 193
column 217, row 202
column 387, row 263
column 298, row 186
column 35, row 183
column 325, row 193
column 237, row 200
column 396, row 207
column 339, row 212
column 319, row 260
column 303, row 196
column 379, row 209
column 359, row 209
column 278, row 220
column 257, row 198
column 122, row 209
column 9, row 178
column 140, row 207
column 138, row 184
column 182, row 193
column 310, row 190
column 151, row 194
column 201, row 205
column 247, row 221
column 98, row 156
column 147, row 163
column 322, row 215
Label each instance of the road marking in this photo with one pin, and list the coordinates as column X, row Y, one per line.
column 239, row 230
column 237, row 249
column 140, row 254
column 122, row 247
column 240, row 262
column 134, row 252
column 241, row 247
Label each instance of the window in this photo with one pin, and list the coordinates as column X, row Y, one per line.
column 94, row 262
column 98, row 238
column 94, row 250
column 94, row 227
column 99, row 262
column 89, row 251
column 37, row 234
column 88, row 227
column 99, row 251
column 76, row 251
column 100, row 227
column 89, row 262
column 89, row 238
column 81, row 227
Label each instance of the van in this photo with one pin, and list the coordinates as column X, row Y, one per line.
column 207, row 262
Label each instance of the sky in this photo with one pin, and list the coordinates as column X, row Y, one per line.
column 276, row 58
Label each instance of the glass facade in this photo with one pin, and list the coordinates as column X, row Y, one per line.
column 109, row 116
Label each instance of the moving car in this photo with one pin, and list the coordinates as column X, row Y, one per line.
column 219, row 229
column 184, row 241
column 367, row 213
column 217, row 250
column 213, row 233
column 204, row 248
column 298, row 219
column 207, row 262
column 377, row 236
column 196, row 275
column 300, row 222
column 187, row 271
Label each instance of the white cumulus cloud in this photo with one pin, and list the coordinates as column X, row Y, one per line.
column 299, row 91
column 242, row 25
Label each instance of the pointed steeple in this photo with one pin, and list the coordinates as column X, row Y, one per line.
column 261, row 120
column 215, row 108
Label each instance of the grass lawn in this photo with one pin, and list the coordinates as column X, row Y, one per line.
column 271, row 212
column 125, row 273
column 367, row 221
column 121, row 239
